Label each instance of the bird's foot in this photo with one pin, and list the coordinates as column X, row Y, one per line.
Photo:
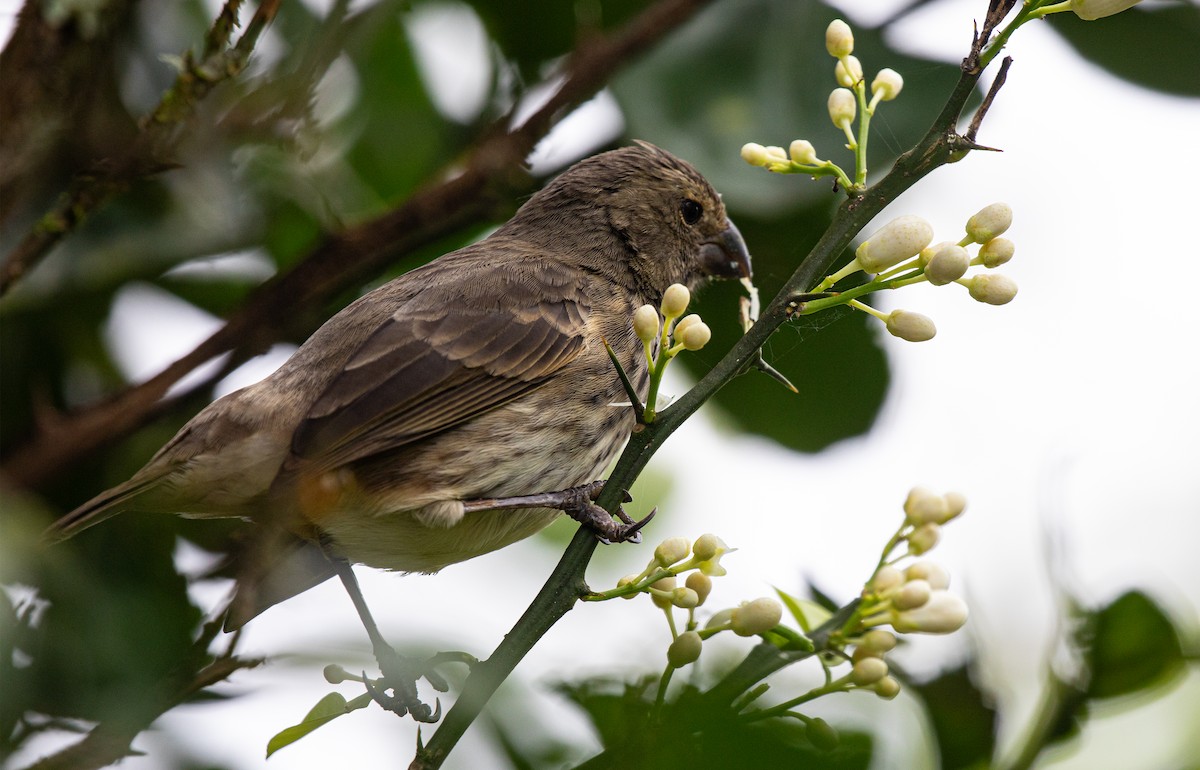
column 396, row 690
column 578, row 503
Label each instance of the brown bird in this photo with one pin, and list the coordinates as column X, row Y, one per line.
column 481, row 375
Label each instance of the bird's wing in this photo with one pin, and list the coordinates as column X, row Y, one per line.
column 460, row 350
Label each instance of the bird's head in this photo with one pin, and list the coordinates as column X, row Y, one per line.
column 669, row 222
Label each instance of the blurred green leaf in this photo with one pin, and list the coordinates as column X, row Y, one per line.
column 1130, row 645
column 964, row 720
column 688, row 735
column 841, row 373
column 327, row 709
column 807, row 613
column 1156, row 48
column 401, row 137
column 532, row 32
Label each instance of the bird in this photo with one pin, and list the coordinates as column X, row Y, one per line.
column 481, row 376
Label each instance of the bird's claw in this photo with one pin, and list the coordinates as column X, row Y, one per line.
column 402, row 682
column 580, row 505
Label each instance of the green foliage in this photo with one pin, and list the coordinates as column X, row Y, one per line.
column 964, row 719
column 326, row 710
column 1151, row 47
column 1130, row 645
column 683, row 734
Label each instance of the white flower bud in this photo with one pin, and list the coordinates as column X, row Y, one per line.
column 1090, row 10
column 922, row 506
column 684, row 323
column 839, row 40
column 803, row 152
column 910, row 326
column 695, row 336
column 708, row 546
column 848, row 71
column 930, row 572
column 645, row 323
column 924, row 538
column 887, row 688
column 992, row 288
column 996, row 252
column 776, row 153
column 948, row 264
column 933, row 248
column 754, row 154
column 868, row 671
column 942, row 614
column 675, row 300
column 685, row 598
column 877, row 641
column 989, row 222
column 701, row 584
column 956, row 503
column 886, row 578
column 887, row 84
column 911, row 595
column 625, row 581
column 756, row 617
column 893, row 243
column 685, row 649
column 720, row 618
column 843, row 108
column 667, row 585
column 671, row 551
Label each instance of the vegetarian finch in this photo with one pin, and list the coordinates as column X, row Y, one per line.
column 482, row 374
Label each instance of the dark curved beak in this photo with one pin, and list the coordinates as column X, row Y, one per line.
column 725, row 255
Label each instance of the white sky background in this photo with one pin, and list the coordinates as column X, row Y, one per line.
column 1069, row 415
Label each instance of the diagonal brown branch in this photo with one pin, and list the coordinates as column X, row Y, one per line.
column 491, row 172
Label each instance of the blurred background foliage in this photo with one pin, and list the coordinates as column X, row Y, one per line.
column 340, row 116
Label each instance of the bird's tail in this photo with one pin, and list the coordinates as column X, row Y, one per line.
column 103, row 506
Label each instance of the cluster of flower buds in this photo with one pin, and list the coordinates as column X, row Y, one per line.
column 674, row 331
column 664, row 333
column 913, row 599
column 902, row 253
column 845, row 103
column 702, row 561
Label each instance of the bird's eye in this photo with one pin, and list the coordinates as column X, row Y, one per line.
column 691, row 211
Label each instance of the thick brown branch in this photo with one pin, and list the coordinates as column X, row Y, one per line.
column 492, row 172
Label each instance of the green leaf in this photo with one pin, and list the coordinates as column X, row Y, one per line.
column 327, row 709
column 834, row 359
column 963, row 719
column 807, row 613
column 1156, row 48
column 1130, row 645
column 688, row 734
column 532, row 32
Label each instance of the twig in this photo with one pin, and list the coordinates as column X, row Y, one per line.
column 981, row 113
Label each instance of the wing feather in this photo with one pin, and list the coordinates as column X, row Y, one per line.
column 432, row 366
